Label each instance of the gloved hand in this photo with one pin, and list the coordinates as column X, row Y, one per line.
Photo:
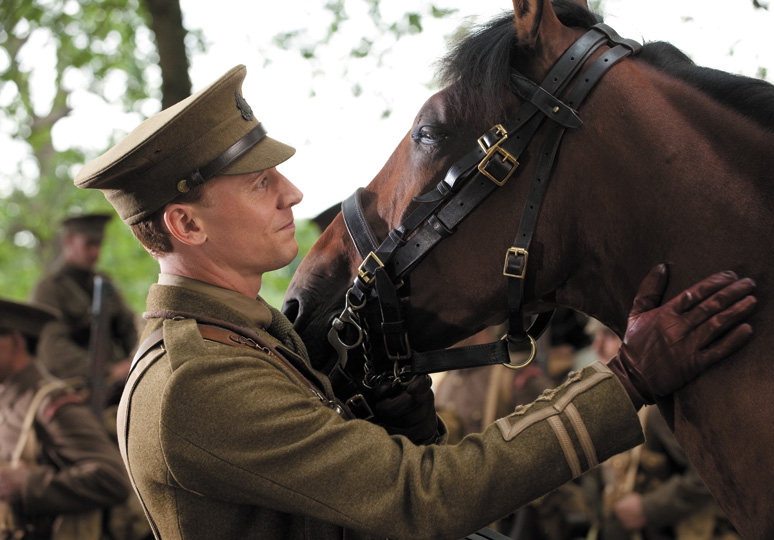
column 667, row 346
column 407, row 410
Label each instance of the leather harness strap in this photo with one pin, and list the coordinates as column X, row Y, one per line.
column 473, row 178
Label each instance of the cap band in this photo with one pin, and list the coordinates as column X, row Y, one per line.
column 201, row 175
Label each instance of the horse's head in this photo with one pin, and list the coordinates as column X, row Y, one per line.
column 459, row 287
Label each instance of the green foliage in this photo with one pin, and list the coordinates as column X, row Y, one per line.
column 59, row 47
column 131, row 268
column 371, row 41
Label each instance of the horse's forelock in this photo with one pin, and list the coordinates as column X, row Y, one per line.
column 476, row 69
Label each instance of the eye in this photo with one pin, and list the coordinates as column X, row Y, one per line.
column 428, row 135
column 260, row 181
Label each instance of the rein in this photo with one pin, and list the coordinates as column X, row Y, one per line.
column 380, row 289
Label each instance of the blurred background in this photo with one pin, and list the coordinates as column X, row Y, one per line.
column 340, row 80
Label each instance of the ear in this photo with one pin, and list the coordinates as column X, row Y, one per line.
column 180, row 221
column 535, row 18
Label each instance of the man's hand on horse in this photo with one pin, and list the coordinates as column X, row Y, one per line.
column 667, row 346
column 408, row 410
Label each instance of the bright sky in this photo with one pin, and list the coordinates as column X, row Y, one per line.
column 342, row 140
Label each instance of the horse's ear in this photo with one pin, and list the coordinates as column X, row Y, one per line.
column 534, row 17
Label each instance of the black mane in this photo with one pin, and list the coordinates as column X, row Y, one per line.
column 484, row 56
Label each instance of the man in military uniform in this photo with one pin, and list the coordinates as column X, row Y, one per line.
column 59, row 468
column 227, row 430
column 69, row 288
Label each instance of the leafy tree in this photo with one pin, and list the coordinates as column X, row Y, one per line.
column 53, row 54
column 367, row 38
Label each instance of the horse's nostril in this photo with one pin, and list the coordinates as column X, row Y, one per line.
column 290, row 309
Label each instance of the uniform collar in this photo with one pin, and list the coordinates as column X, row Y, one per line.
column 254, row 309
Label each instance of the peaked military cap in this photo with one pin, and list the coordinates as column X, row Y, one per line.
column 27, row 318
column 213, row 132
column 91, row 225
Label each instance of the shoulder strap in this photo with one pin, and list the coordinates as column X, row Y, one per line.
column 140, row 363
column 29, row 417
column 247, row 339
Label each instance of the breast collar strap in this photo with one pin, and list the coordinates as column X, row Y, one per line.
column 466, row 185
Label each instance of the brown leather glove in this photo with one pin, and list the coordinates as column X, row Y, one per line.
column 408, row 411
column 667, row 346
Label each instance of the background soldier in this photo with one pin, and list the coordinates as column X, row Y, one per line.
column 652, row 492
column 470, row 399
column 69, row 288
column 60, row 469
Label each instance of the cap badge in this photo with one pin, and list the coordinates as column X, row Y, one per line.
column 247, row 112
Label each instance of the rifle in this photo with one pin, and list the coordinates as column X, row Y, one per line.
column 100, row 344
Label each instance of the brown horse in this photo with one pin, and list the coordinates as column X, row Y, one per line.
column 673, row 163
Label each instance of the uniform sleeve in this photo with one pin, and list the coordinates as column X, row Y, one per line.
column 242, row 430
column 124, row 324
column 62, row 356
column 86, row 471
column 45, row 292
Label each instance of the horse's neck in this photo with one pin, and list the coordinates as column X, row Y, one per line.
column 697, row 196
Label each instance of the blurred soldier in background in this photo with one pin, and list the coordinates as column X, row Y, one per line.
column 59, row 470
column 68, row 349
column 468, row 400
column 652, row 492
column 93, row 341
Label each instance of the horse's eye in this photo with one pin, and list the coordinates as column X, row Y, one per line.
column 428, row 134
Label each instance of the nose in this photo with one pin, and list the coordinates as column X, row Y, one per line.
column 291, row 195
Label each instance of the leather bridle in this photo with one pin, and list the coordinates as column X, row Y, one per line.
column 380, row 289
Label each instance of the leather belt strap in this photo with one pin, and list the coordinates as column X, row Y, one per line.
column 234, row 152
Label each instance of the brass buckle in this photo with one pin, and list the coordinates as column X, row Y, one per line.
column 364, row 274
column 532, row 355
column 358, row 406
column 516, row 251
column 398, row 357
column 491, row 152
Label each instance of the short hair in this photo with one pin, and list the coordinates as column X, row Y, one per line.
column 152, row 233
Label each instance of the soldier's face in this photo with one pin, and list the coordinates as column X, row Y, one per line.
column 248, row 220
column 8, row 342
column 81, row 250
column 605, row 344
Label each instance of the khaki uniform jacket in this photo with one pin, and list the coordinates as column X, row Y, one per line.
column 227, row 443
column 77, row 467
column 64, row 346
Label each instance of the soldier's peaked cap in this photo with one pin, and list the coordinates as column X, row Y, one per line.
column 91, row 225
column 213, row 132
column 27, row 318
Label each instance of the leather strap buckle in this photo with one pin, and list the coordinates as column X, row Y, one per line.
column 359, row 407
column 368, row 276
column 506, row 156
column 519, row 267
